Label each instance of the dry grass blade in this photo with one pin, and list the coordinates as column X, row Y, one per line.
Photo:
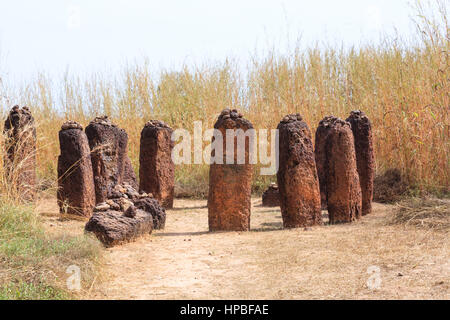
column 401, row 84
column 423, row 213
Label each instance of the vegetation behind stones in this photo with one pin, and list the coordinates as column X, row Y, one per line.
column 402, row 85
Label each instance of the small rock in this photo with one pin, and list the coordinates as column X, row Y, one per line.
column 116, row 195
column 102, row 207
column 125, row 204
column 133, row 194
column 130, row 212
column 113, row 205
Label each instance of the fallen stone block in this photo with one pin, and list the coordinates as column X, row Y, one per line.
column 152, row 205
column 125, row 197
column 114, row 227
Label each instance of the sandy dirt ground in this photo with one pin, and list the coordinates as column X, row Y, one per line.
column 185, row 261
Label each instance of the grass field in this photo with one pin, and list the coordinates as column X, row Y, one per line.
column 33, row 263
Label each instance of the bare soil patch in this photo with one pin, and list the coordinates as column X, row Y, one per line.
column 185, row 261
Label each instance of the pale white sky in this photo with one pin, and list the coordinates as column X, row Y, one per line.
column 89, row 35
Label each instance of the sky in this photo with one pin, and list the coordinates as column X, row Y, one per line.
column 94, row 35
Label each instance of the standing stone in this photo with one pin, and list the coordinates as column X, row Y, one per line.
column 229, row 199
column 320, row 155
column 342, row 182
column 76, row 191
column 20, row 158
column 157, row 170
column 297, row 175
column 129, row 177
column 271, row 197
column 108, row 145
column 365, row 160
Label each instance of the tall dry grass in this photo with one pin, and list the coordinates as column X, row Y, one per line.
column 402, row 84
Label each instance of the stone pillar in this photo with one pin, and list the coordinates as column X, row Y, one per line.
column 229, row 199
column 297, row 175
column 156, row 169
column 108, row 145
column 76, row 191
column 343, row 189
column 129, row 177
column 20, row 157
column 320, row 155
column 365, row 160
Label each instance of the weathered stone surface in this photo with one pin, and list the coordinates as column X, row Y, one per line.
column 20, row 157
column 153, row 206
column 103, row 206
column 342, row 182
column 114, row 227
column 129, row 176
column 229, row 199
column 125, row 216
column 76, row 191
column 108, row 145
column 365, row 159
column 156, row 171
column 297, row 175
column 320, row 151
column 271, row 197
column 125, row 196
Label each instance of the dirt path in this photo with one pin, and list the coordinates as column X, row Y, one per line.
column 186, row 262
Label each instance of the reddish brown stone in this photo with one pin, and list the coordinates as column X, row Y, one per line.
column 320, row 156
column 129, row 176
column 126, row 216
column 229, row 199
column 108, row 145
column 157, row 170
column 20, row 158
column 158, row 213
column 297, row 175
column 343, row 188
column 114, row 227
column 124, row 196
column 365, row 160
column 271, row 197
column 76, row 191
